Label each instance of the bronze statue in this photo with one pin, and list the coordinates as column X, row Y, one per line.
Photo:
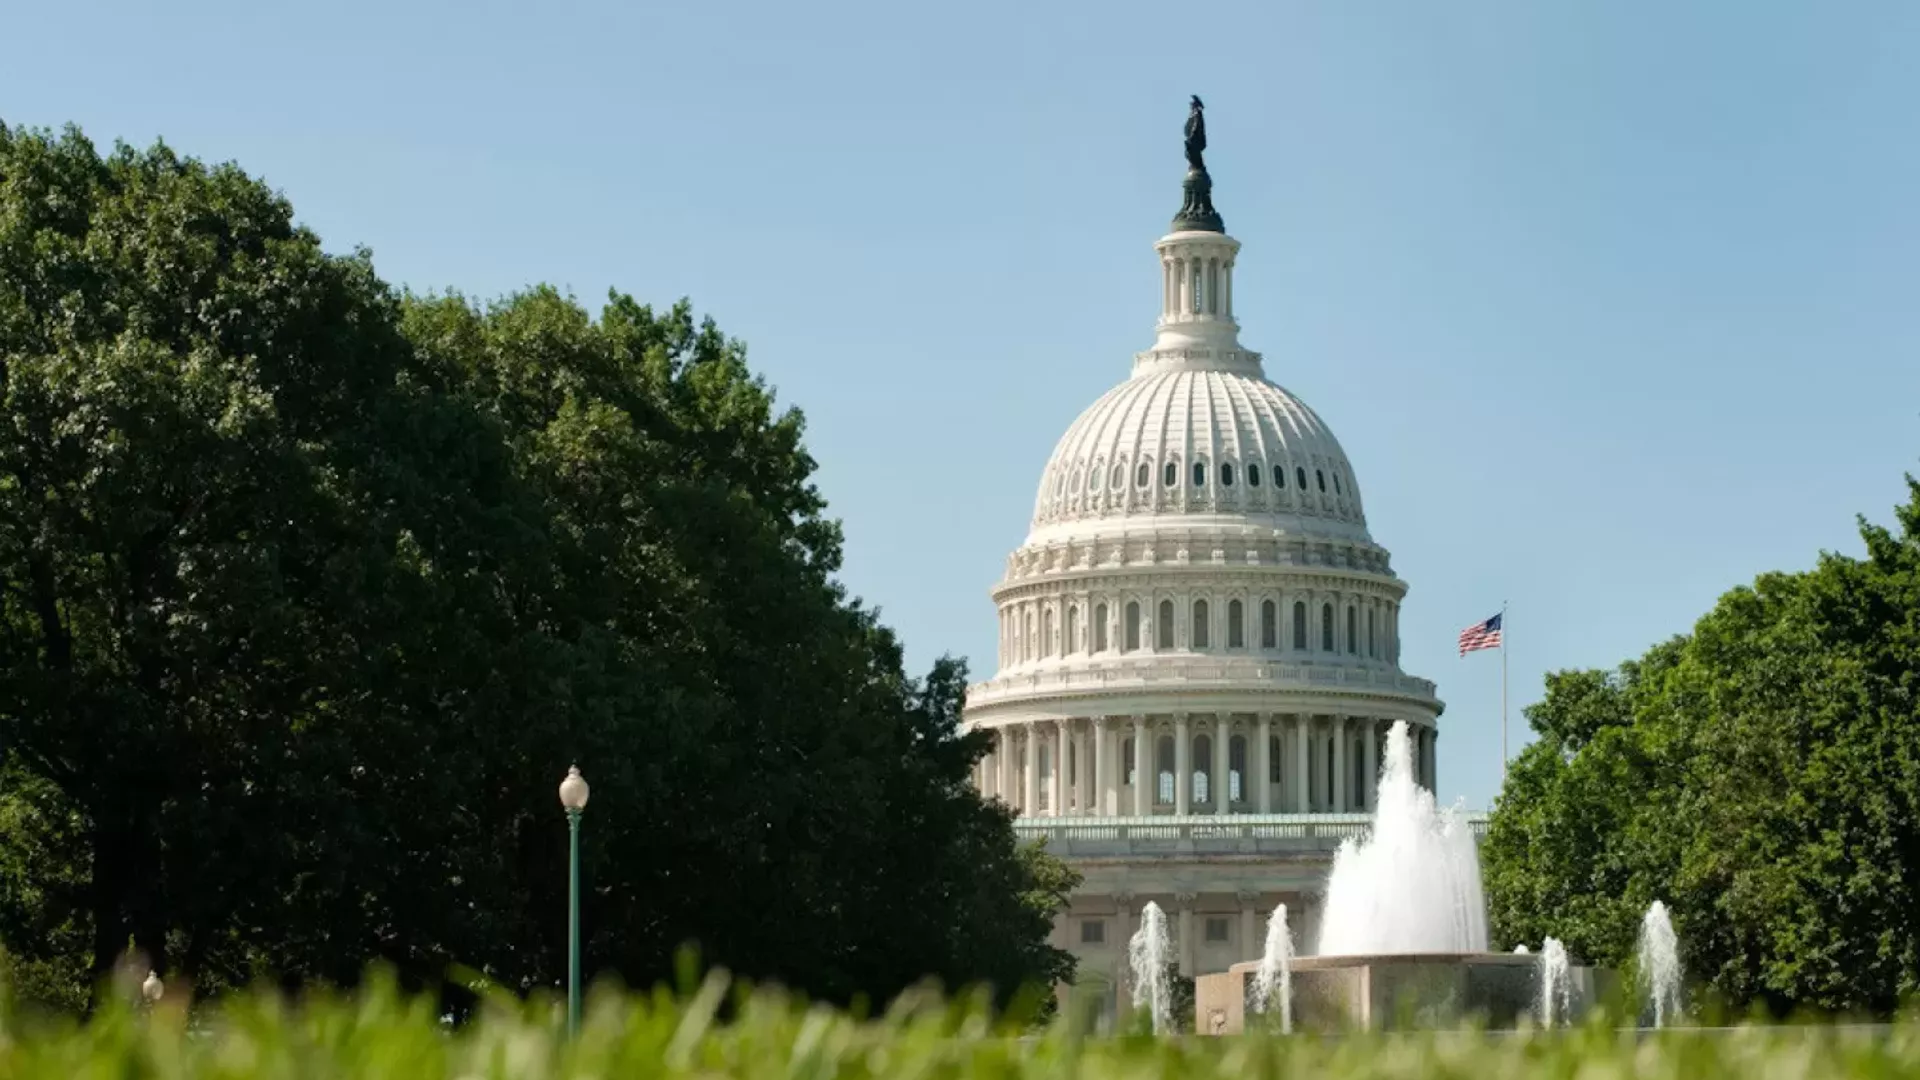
column 1196, row 136
column 1196, row 205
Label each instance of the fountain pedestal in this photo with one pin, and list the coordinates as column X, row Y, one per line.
column 1419, row 990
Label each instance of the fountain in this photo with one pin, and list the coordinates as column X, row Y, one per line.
column 1412, row 884
column 1659, row 963
column 1556, row 991
column 1403, row 938
column 1149, row 956
column 1273, row 981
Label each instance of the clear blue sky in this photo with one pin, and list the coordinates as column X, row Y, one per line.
column 1613, row 306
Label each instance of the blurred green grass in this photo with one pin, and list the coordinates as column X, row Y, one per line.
column 721, row 1030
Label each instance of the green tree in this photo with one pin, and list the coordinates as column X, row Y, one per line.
column 309, row 594
column 1761, row 775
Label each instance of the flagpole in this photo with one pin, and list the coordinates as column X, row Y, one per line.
column 1503, row 693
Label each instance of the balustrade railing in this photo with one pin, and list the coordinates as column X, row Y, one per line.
column 1157, row 670
column 1202, row 834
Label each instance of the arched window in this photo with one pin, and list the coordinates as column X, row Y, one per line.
column 1236, row 625
column 1199, row 474
column 1253, row 474
column 1322, row 478
column 1268, row 628
column 1226, row 474
column 1164, row 639
column 1163, row 767
column 1073, row 630
column 1326, row 627
column 1353, row 632
column 1279, row 478
column 1046, row 632
column 1237, row 769
column 1095, row 477
column 1300, row 474
column 1336, row 483
column 1202, row 769
column 1119, row 477
column 1373, row 648
column 1201, row 624
column 1300, row 624
column 1142, row 475
column 1275, row 770
column 1126, row 761
column 1100, row 628
column 1170, row 475
column 1133, row 625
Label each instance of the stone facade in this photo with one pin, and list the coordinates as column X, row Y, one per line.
column 1199, row 645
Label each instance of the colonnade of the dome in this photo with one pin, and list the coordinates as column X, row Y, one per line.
column 1218, row 763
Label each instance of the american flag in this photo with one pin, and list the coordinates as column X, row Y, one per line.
column 1481, row 635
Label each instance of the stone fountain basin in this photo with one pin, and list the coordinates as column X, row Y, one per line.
column 1391, row 991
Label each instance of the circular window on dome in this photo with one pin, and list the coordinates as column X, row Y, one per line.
column 1226, row 474
column 1300, row 475
column 1143, row 475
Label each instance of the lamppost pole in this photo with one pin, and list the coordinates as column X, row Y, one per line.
column 573, row 796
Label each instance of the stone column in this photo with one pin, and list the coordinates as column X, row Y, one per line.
column 1250, row 943
column 1182, row 765
column 1370, row 758
column 1004, row 749
column 1222, row 760
column 1433, row 761
column 1092, row 770
column 1264, row 770
column 1098, row 735
column 1142, row 782
column 1057, row 804
column 1340, row 768
column 1030, row 765
column 1303, row 778
column 1185, row 900
column 1122, row 970
column 1082, row 772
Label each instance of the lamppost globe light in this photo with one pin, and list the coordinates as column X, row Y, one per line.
column 152, row 988
column 573, row 790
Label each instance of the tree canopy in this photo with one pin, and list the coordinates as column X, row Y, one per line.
column 1760, row 775
column 310, row 592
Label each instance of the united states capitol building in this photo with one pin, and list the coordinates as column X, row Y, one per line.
column 1199, row 640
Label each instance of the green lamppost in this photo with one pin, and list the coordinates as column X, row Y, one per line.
column 573, row 796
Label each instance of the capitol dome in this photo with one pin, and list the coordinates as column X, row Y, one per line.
column 1198, row 622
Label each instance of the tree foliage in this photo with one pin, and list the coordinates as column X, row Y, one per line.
column 1760, row 775
column 309, row 594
